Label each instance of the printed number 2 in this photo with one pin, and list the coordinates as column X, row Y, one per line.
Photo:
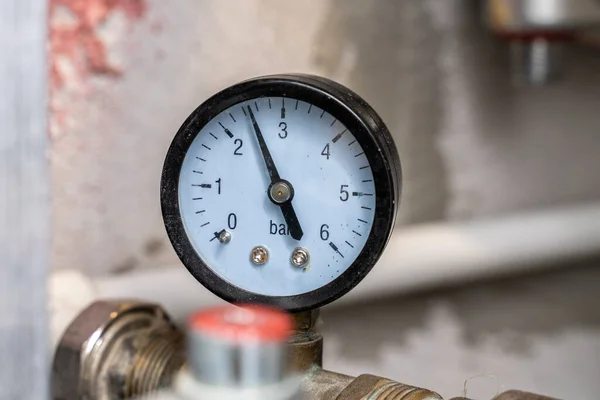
column 240, row 143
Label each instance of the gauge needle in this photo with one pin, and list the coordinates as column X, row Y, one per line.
column 285, row 189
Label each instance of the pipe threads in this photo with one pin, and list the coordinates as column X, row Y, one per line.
column 399, row 391
column 155, row 366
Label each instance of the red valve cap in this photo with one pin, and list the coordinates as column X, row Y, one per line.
column 242, row 323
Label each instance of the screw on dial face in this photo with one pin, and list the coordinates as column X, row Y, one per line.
column 300, row 257
column 298, row 174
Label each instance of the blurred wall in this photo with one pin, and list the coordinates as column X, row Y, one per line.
column 127, row 73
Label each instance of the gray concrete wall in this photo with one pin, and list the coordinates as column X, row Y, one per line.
column 471, row 144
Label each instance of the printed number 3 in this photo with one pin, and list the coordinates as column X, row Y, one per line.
column 283, row 134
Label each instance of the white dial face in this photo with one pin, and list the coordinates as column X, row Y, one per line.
column 232, row 218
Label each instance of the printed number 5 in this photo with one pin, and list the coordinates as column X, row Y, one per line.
column 344, row 193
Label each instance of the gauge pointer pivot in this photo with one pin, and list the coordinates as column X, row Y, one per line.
column 281, row 192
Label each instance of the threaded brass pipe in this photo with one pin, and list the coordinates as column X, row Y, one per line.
column 399, row 391
column 155, row 365
column 377, row 388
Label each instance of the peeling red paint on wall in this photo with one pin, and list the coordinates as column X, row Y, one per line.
column 78, row 41
column 75, row 39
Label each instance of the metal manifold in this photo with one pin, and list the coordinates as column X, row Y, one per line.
column 130, row 349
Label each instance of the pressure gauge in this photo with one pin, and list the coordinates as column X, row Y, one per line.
column 281, row 190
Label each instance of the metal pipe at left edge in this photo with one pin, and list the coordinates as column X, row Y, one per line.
column 24, row 201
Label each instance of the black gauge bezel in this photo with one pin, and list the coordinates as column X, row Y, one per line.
column 350, row 110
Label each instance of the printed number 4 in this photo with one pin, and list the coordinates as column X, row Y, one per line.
column 325, row 151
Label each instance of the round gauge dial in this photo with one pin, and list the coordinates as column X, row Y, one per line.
column 281, row 190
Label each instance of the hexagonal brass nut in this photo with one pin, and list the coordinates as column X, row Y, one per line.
column 81, row 357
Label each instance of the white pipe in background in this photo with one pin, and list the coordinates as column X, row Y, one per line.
column 417, row 257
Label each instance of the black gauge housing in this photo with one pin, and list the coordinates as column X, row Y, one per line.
column 347, row 107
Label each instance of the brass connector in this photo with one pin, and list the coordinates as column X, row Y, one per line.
column 117, row 350
column 306, row 344
column 373, row 387
column 326, row 385
column 126, row 349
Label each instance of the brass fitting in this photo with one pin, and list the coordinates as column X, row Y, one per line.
column 126, row 349
column 519, row 395
column 514, row 395
column 306, row 351
column 377, row 388
column 306, row 344
column 117, row 350
column 327, row 385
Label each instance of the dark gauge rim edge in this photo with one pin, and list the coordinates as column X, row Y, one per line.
column 344, row 105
